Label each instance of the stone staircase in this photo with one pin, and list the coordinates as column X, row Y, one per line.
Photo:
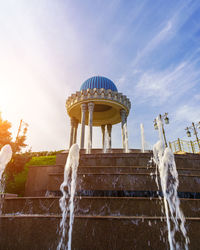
column 116, row 206
column 131, row 172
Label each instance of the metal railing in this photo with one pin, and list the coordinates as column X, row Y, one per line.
column 184, row 146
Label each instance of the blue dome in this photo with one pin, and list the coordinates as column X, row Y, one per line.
column 98, row 82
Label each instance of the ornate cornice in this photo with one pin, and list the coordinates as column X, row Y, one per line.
column 99, row 94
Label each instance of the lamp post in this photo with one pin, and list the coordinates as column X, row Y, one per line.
column 161, row 118
column 194, row 128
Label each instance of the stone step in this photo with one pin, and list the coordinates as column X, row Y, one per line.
column 123, row 181
column 37, row 180
column 106, row 169
column 38, row 176
column 130, row 159
column 115, row 160
column 128, row 169
column 92, row 232
column 97, row 206
column 113, row 169
column 61, row 157
column 124, row 169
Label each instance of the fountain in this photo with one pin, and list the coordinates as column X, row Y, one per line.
column 115, row 205
column 166, row 166
column 71, row 166
column 5, row 157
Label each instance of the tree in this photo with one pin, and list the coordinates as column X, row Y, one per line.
column 18, row 161
column 6, row 138
column 5, row 134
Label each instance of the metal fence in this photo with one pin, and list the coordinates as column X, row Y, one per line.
column 184, row 146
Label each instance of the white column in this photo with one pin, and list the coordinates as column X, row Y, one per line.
column 103, row 136
column 71, row 132
column 123, row 118
column 124, row 130
column 90, row 120
column 109, row 129
column 75, row 131
column 126, row 136
column 83, row 110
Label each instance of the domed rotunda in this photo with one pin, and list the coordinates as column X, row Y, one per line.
column 98, row 103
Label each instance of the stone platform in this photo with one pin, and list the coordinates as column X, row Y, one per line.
column 96, row 206
column 108, row 215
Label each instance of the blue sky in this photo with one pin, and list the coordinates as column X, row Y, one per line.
column 149, row 49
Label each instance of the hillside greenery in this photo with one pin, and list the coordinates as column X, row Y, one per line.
column 17, row 184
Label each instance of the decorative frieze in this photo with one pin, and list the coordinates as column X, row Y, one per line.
column 103, row 94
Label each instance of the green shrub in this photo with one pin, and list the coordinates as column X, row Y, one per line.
column 17, row 184
column 42, row 160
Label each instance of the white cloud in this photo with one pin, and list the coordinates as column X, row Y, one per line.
column 46, row 53
column 157, row 87
column 197, row 97
column 161, row 36
column 189, row 113
column 167, row 30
